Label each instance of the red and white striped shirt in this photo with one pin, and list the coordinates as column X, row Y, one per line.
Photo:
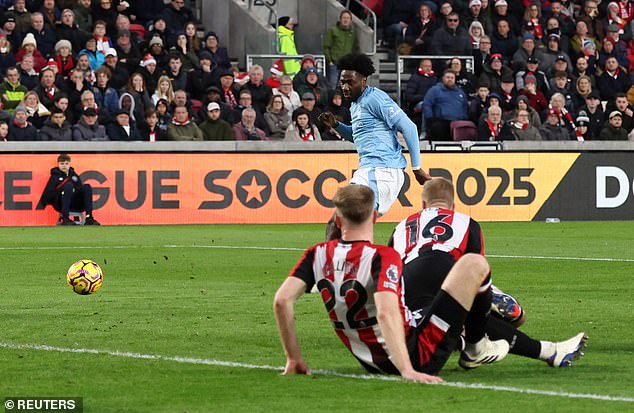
column 347, row 275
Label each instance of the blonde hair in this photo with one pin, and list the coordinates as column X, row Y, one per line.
column 355, row 203
column 438, row 190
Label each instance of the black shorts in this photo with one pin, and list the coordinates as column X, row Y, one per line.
column 437, row 335
column 423, row 277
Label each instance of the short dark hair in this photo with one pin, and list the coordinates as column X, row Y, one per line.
column 358, row 62
column 149, row 113
column 63, row 157
column 57, row 110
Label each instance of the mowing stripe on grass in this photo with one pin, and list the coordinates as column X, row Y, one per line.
column 221, row 363
column 254, row 247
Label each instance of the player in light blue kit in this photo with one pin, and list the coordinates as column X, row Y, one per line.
column 376, row 119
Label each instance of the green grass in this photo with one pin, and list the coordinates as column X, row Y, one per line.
column 163, row 297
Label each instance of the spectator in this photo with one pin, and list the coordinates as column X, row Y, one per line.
column 551, row 129
column 4, row 131
column 613, row 80
column 583, row 88
column 260, row 92
column 126, row 102
column 418, row 85
column 74, row 87
column 9, row 30
column 451, row 39
column 341, row 114
column 340, row 40
column 308, row 103
column 503, row 41
column 69, row 31
column 522, row 128
column 122, row 129
column 553, row 51
column 522, row 104
column 175, row 73
column 56, row 128
column 276, row 71
column 107, row 98
column 176, row 15
column 122, row 23
column 245, row 130
column 583, row 126
column 581, row 39
column 62, row 103
column 613, row 130
column 482, row 55
column 145, row 11
column 185, row 53
column 444, row 103
column 561, row 84
column 95, row 57
column 582, row 68
column 149, row 130
column 44, row 36
column 527, row 50
column 493, row 128
column 128, row 52
column 7, row 58
column 479, row 103
column 290, row 97
column 164, row 91
column 307, row 63
column 83, row 15
column 622, row 105
column 157, row 50
column 88, row 128
column 158, row 29
column 594, row 111
column 494, row 71
column 29, row 48
column 11, row 90
column 286, row 36
column 229, row 90
column 312, row 85
column 559, row 13
column 164, row 116
column 301, row 128
column 395, row 15
column 21, row 16
column 277, row 118
column 149, row 73
column 532, row 68
column 142, row 102
column 63, row 58
column 533, row 19
column 590, row 15
column 219, row 54
column 500, row 13
column 104, row 11
column 36, row 112
column 609, row 50
column 475, row 31
column 191, row 33
column 464, row 79
column 20, row 128
column 181, row 128
column 119, row 73
column 180, row 99
column 476, row 13
column 214, row 128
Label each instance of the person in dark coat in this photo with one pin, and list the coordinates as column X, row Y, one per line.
column 418, row 85
column 122, row 129
column 56, row 128
column 451, row 39
column 20, row 129
column 613, row 131
column 66, row 192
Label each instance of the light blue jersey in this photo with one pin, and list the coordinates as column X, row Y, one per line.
column 375, row 120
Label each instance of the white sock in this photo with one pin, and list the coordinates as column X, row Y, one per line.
column 547, row 351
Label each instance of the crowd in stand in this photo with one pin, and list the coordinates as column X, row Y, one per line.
column 97, row 70
column 543, row 70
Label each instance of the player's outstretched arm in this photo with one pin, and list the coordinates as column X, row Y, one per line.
column 410, row 134
column 328, row 119
column 284, row 309
column 391, row 324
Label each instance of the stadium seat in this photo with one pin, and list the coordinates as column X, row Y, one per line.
column 196, row 105
column 463, row 130
column 138, row 29
column 375, row 5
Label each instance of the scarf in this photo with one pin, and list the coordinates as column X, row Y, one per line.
column 495, row 129
column 183, row 123
column 567, row 119
column 426, row 74
column 520, row 125
column 537, row 28
column 615, row 75
column 306, row 134
column 230, row 99
column 625, row 11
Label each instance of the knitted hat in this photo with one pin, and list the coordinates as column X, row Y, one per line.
column 582, row 119
column 29, row 39
column 156, row 40
column 530, row 79
column 587, row 43
column 211, row 34
column 148, row 59
column 277, row 68
column 205, row 55
column 308, row 57
column 63, row 43
column 475, row 3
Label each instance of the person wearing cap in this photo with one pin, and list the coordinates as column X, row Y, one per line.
column 622, row 104
column 88, row 127
column 310, row 104
column 476, row 13
column 533, row 69
column 120, row 74
column 56, row 128
column 583, row 126
column 340, row 40
column 219, row 54
column 122, row 128
column 551, row 130
column 555, row 45
column 128, row 52
column 277, row 118
column 494, row 71
column 451, row 38
column 311, row 84
column 214, row 128
column 505, row 10
column 11, row 90
column 561, row 64
column 613, row 80
column 20, row 129
column 614, row 130
column 614, row 22
column 594, row 110
column 66, row 192
column 181, row 128
column 286, row 39
column 10, row 31
column 307, row 63
column 228, row 89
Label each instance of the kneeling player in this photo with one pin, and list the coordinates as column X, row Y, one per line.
column 430, row 243
column 361, row 286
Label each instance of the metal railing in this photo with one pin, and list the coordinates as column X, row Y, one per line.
column 467, row 61
column 320, row 60
column 370, row 20
column 272, row 14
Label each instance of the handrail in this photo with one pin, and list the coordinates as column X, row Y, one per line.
column 320, row 59
column 469, row 66
column 272, row 13
column 371, row 16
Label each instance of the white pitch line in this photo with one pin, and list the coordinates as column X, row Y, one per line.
column 221, row 363
column 254, row 247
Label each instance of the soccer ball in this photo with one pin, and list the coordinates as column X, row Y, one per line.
column 85, row 277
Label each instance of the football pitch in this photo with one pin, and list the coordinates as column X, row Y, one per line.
column 184, row 322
